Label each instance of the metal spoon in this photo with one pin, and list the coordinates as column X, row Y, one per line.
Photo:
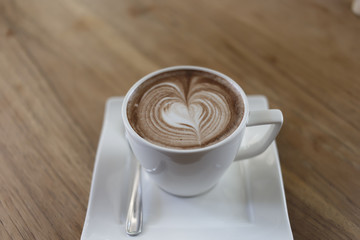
column 134, row 217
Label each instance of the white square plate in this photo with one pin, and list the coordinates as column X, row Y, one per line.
column 248, row 202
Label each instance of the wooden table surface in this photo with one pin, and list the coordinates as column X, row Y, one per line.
column 61, row 60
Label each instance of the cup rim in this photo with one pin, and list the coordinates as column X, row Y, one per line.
column 233, row 135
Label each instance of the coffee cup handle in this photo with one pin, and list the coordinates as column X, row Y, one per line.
column 271, row 117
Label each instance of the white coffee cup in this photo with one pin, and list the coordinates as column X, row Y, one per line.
column 189, row 172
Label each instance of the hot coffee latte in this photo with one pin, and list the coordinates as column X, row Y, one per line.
column 185, row 109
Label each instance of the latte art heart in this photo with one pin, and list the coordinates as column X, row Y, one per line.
column 185, row 111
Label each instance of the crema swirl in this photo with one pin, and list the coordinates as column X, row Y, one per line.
column 185, row 109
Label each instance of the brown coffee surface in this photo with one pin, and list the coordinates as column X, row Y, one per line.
column 185, row 109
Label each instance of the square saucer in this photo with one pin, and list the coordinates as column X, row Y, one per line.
column 247, row 203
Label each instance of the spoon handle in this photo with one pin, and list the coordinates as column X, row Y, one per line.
column 134, row 217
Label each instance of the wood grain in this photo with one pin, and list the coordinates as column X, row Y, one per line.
column 61, row 60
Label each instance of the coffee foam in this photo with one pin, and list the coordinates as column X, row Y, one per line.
column 185, row 109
